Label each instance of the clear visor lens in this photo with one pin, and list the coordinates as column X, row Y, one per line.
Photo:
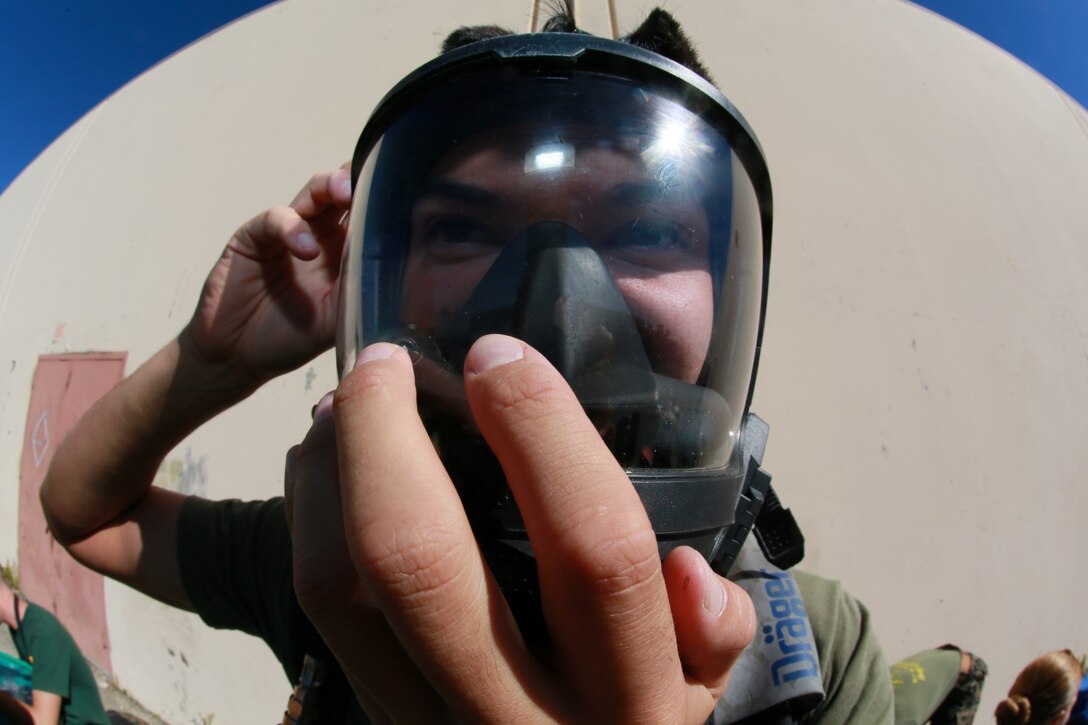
column 613, row 230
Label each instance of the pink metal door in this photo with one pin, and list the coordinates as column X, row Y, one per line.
column 64, row 387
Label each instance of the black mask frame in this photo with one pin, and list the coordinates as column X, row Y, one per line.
column 711, row 510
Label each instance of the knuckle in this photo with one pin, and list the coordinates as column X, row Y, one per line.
column 279, row 218
column 361, row 383
column 417, row 565
column 320, row 180
column 247, row 233
column 314, row 192
column 622, row 565
column 267, row 228
column 524, row 395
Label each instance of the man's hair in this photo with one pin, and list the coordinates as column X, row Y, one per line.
column 659, row 33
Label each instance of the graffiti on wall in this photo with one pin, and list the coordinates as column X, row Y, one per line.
column 39, row 439
column 188, row 475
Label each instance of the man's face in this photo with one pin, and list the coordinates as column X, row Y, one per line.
column 651, row 235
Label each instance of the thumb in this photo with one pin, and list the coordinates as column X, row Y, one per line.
column 714, row 618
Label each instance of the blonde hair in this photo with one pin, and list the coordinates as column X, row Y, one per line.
column 1042, row 690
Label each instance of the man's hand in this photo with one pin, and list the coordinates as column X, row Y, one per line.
column 387, row 568
column 269, row 304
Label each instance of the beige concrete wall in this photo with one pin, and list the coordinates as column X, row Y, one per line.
column 926, row 358
column 117, row 223
column 925, row 367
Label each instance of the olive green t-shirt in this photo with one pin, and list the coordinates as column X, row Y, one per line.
column 59, row 667
column 922, row 682
column 857, row 688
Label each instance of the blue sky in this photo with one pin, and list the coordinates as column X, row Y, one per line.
column 59, row 58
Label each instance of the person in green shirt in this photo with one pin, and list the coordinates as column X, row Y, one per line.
column 941, row 686
column 63, row 690
column 370, row 562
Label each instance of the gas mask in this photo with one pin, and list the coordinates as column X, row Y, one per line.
column 606, row 206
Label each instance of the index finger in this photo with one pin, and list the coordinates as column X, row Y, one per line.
column 600, row 575
column 412, row 543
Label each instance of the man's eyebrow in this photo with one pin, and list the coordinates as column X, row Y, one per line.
column 459, row 191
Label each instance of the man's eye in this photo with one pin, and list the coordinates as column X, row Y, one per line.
column 648, row 234
column 457, row 230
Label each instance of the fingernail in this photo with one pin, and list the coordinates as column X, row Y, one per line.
column 306, row 241
column 323, row 409
column 714, row 596
column 377, row 351
column 491, row 351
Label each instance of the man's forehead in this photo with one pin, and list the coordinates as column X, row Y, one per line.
column 545, row 161
column 487, row 173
